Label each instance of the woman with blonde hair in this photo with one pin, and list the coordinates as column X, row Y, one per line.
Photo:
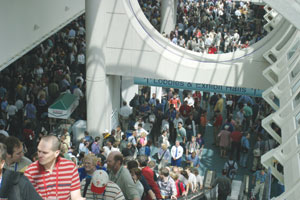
column 142, row 142
column 164, row 156
column 90, row 162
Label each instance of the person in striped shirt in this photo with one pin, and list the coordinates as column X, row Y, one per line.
column 52, row 176
column 100, row 187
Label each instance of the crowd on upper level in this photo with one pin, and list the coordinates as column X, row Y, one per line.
column 211, row 26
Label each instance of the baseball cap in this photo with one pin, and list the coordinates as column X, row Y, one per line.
column 105, row 131
column 99, row 181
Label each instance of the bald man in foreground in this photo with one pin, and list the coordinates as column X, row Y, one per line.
column 121, row 176
column 52, row 176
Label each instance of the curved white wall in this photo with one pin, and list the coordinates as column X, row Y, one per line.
column 134, row 48
column 25, row 23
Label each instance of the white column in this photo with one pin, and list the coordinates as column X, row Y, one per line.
column 157, row 91
column 99, row 106
column 168, row 15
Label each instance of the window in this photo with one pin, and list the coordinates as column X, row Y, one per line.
column 296, row 69
column 296, row 100
column 293, row 50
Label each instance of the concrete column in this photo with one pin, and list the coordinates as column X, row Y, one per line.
column 157, row 91
column 168, row 15
column 99, row 105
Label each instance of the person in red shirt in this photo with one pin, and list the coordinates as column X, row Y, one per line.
column 197, row 97
column 179, row 185
column 217, row 125
column 52, row 176
column 175, row 101
column 235, row 138
column 148, row 173
column 246, row 45
column 212, row 50
column 185, row 110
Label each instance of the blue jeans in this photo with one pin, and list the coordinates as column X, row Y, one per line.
column 243, row 159
column 176, row 162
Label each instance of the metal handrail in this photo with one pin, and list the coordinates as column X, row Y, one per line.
column 192, row 196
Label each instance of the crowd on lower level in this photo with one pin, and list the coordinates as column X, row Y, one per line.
column 118, row 164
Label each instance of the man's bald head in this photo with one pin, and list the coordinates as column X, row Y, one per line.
column 55, row 142
column 114, row 161
column 116, row 156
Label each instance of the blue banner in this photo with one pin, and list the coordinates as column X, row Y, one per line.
column 198, row 86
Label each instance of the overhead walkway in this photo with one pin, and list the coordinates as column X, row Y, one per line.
column 134, row 48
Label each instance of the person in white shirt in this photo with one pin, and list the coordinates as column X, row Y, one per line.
column 165, row 126
column 141, row 130
column 125, row 112
column 164, row 138
column 77, row 92
column 190, row 100
column 108, row 148
column 176, row 154
column 235, row 40
column 199, row 178
column 81, row 58
column 81, row 30
column 80, row 77
column 139, row 121
column 11, row 110
column 81, row 62
column 192, row 179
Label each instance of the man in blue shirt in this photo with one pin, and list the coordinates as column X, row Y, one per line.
column 30, row 110
column 193, row 160
column 245, row 146
column 152, row 101
column 259, row 178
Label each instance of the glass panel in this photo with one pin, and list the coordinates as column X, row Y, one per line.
column 296, row 70
column 296, row 86
column 297, row 101
column 293, row 50
column 297, row 120
column 298, row 137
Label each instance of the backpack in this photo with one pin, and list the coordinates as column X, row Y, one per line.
column 179, row 183
column 231, row 170
column 134, row 101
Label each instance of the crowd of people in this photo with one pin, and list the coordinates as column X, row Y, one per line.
column 121, row 164
column 32, row 83
column 117, row 164
column 179, row 127
column 213, row 27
